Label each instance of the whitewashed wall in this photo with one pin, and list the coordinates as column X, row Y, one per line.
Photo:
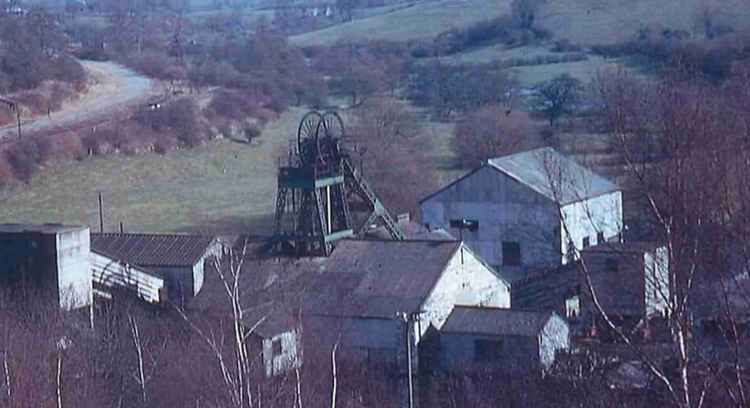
column 74, row 269
column 656, row 281
column 289, row 358
column 467, row 282
column 586, row 218
column 506, row 210
column 554, row 337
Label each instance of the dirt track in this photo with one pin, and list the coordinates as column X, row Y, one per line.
column 112, row 89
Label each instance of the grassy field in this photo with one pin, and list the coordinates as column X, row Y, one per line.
column 609, row 21
column 495, row 52
column 423, row 19
column 585, row 22
column 223, row 186
column 583, row 70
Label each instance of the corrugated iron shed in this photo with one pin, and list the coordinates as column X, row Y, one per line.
column 156, row 250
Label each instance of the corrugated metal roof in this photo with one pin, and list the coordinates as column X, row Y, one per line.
column 495, row 321
column 553, row 175
column 152, row 249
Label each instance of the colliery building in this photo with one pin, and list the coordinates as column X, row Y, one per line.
column 50, row 259
column 530, row 210
column 158, row 267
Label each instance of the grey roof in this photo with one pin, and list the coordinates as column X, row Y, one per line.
column 49, row 228
column 495, row 321
column 268, row 320
column 553, row 175
column 152, row 249
column 377, row 279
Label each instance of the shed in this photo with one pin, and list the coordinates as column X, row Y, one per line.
column 275, row 335
column 531, row 208
column 511, row 340
column 178, row 258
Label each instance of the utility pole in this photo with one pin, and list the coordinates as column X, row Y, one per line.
column 101, row 214
column 461, row 225
column 407, row 318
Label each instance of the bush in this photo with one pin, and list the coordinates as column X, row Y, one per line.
column 233, row 105
column 165, row 145
column 24, row 159
column 156, row 64
column 251, row 132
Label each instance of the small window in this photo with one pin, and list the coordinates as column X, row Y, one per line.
column 465, row 224
column 276, row 347
column 511, row 254
column 586, row 242
column 611, row 265
column 599, row 237
column 487, row 350
column 573, row 307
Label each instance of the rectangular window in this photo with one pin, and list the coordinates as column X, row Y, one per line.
column 599, row 237
column 465, row 224
column 586, row 242
column 486, row 350
column 611, row 265
column 276, row 347
column 511, row 254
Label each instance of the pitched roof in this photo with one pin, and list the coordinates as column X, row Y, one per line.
column 495, row 321
column 553, row 175
column 49, row 228
column 152, row 249
column 368, row 278
column 268, row 320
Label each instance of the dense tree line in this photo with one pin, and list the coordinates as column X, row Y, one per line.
column 32, row 50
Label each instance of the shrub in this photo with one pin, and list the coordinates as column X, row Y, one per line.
column 24, row 159
column 251, row 132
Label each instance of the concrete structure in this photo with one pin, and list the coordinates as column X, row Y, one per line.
column 532, row 209
column 178, row 260
column 509, row 340
column 50, row 258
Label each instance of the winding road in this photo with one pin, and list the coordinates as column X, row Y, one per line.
column 112, row 90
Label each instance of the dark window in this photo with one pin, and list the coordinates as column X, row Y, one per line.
column 611, row 265
column 465, row 224
column 600, row 237
column 487, row 350
column 511, row 254
column 276, row 347
column 586, row 242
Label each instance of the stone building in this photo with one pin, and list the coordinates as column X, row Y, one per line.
column 492, row 339
column 630, row 281
column 530, row 209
